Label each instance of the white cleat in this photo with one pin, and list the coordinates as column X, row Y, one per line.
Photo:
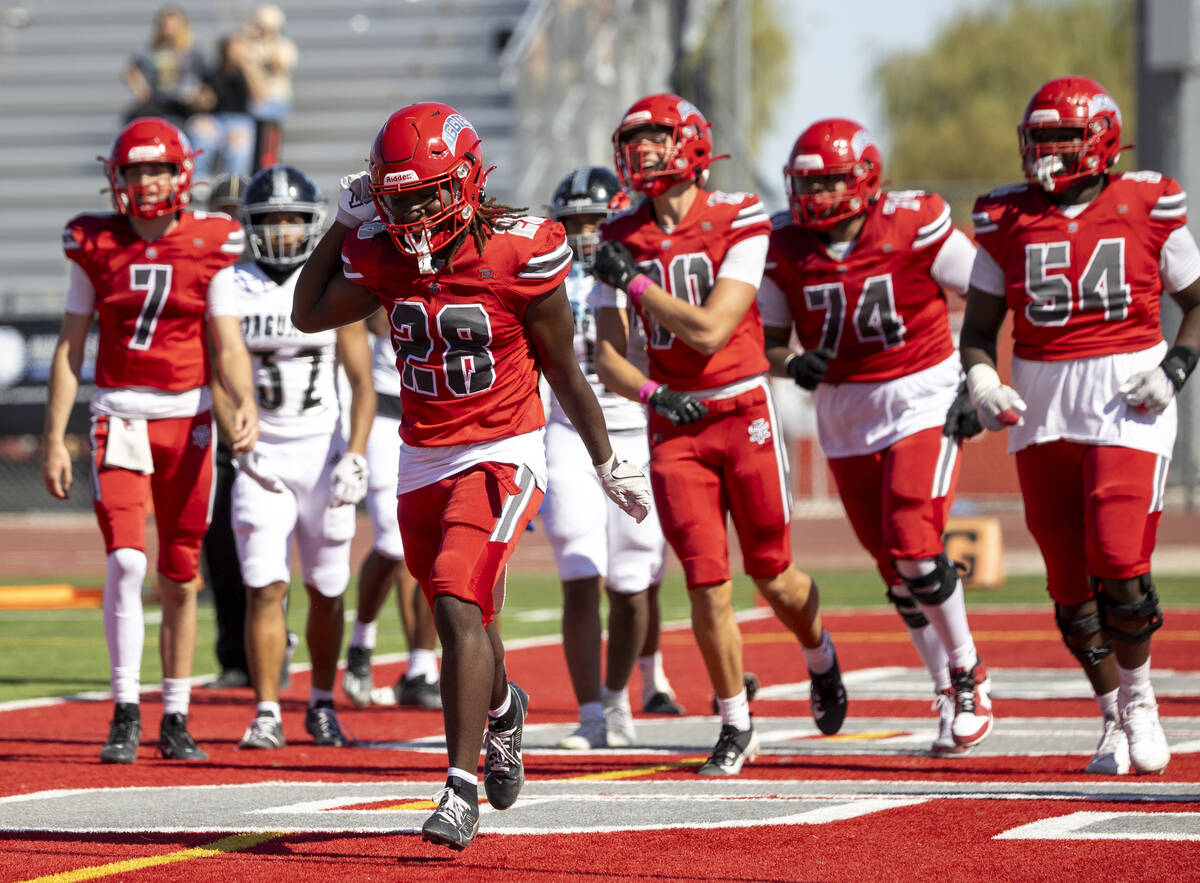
column 618, row 726
column 944, row 745
column 591, row 734
column 1148, row 751
column 1112, row 754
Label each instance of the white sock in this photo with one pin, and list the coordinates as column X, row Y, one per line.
column 1135, row 682
column 654, row 678
column 609, row 698
column 177, row 694
column 500, row 709
column 821, row 659
column 315, row 696
column 364, row 634
column 949, row 619
column 1108, row 704
column 423, row 664
column 124, row 625
column 470, row 778
column 271, row 708
column 591, row 712
column 735, row 711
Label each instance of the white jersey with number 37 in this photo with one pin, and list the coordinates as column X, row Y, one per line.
column 294, row 372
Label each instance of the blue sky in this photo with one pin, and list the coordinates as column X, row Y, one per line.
column 835, row 48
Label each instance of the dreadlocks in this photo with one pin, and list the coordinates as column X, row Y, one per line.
column 482, row 227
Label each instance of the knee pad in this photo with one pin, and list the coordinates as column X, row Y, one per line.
column 1082, row 625
column 908, row 609
column 934, row 587
column 1146, row 607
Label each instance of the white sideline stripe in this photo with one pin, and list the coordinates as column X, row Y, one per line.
column 1070, row 827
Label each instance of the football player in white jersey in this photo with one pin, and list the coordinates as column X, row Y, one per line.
column 304, row 476
column 384, row 564
column 593, row 542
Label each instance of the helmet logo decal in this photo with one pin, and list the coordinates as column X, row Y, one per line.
column 454, row 124
column 1044, row 115
column 404, row 176
column 146, row 153
column 808, row 162
column 1104, row 102
column 860, row 141
column 687, row 109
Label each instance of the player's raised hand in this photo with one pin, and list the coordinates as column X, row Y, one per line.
column 355, row 205
column 626, row 486
column 349, row 480
column 614, row 265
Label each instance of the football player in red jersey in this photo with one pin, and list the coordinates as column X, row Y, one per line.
column 861, row 274
column 474, row 294
column 145, row 271
column 1082, row 256
column 688, row 262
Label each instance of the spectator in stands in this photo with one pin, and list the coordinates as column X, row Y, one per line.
column 274, row 57
column 166, row 76
column 223, row 133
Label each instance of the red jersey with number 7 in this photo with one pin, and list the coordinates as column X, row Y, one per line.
column 1087, row 285
column 685, row 263
column 151, row 297
column 468, row 369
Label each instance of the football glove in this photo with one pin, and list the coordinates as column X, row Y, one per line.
column 962, row 420
column 998, row 405
column 809, row 368
column 678, row 407
column 254, row 465
column 626, row 486
column 614, row 265
column 349, row 480
column 1148, row 391
column 355, row 205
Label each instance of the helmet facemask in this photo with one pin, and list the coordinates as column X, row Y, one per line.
column 283, row 245
column 130, row 197
column 820, row 209
column 423, row 217
column 1057, row 163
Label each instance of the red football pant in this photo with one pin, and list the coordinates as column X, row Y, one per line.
column 1094, row 511
column 459, row 532
column 898, row 499
column 180, row 486
column 731, row 462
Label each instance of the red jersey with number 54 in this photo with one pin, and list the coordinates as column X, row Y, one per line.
column 467, row 367
column 151, row 297
column 878, row 309
column 1087, row 285
column 685, row 263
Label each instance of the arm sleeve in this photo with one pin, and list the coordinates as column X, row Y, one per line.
column 1179, row 261
column 951, row 268
column 773, row 304
column 987, row 275
column 222, row 294
column 745, row 260
column 81, row 295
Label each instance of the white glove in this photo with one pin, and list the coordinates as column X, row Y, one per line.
column 255, row 465
column 998, row 405
column 626, row 486
column 1148, row 391
column 355, row 205
column 349, row 480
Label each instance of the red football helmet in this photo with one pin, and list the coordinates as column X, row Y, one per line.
column 833, row 147
column 1069, row 103
column 149, row 140
column 689, row 154
column 426, row 150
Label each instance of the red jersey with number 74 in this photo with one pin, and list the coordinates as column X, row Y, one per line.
column 1086, row 285
column 468, row 369
column 151, row 297
column 685, row 263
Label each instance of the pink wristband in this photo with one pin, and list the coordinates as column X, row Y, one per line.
column 647, row 390
column 637, row 287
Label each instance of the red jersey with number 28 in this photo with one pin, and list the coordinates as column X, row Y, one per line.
column 878, row 309
column 685, row 263
column 468, row 370
column 1087, row 285
column 151, row 297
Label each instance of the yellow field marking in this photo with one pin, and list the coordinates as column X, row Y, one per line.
column 234, row 843
column 634, row 772
column 866, row 734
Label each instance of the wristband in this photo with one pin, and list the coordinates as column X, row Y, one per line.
column 637, row 287
column 1179, row 363
column 647, row 390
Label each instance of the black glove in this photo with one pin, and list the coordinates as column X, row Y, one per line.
column 678, row 407
column 809, row 368
column 614, row 265
column 962, row 420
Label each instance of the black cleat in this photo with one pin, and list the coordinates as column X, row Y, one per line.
column 229, row 679
column 827, row 696
column 662, row 703
column 734, row 748
column 419, row 693
column 124, row 734
column 321, row 721
column 454, row 823
column 175, row 742
column 503, row 769
column 356, row 680
column 749, row 684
